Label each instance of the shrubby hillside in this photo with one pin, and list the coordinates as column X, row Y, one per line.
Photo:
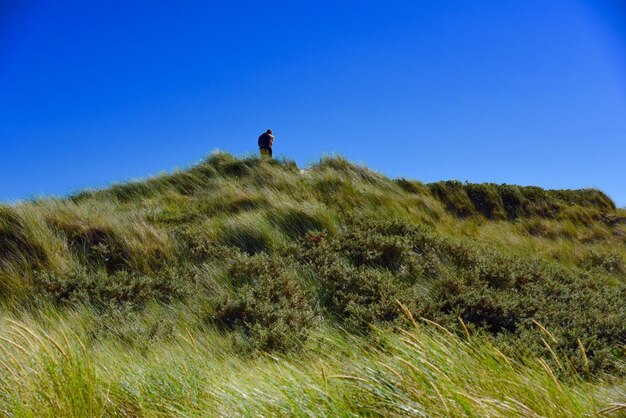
column 241, row 286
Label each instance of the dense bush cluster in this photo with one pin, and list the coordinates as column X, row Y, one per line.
column 267, row 305
column 363, row 273
column 610, row 261
column 114, row 290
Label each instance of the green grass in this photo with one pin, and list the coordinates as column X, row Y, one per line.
column 422, row 370
column 249, row 287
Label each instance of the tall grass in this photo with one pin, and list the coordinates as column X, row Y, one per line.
column 418, row 370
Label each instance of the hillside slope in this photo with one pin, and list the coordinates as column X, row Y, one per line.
column 258, row 257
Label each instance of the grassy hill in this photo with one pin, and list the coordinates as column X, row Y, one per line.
column 246, row 287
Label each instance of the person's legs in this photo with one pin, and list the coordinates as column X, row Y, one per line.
column 270, row 152
column 265, row 153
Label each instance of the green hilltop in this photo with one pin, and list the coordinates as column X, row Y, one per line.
column 242, row 286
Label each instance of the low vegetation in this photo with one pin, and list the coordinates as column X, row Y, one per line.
column 250, row 287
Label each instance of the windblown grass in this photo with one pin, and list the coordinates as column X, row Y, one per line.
column 419, row 370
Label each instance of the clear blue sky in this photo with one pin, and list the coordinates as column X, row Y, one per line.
column 529, row 92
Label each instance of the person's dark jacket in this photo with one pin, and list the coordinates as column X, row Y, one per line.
column 265, row 140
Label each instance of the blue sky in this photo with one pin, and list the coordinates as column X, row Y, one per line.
column 530, row 92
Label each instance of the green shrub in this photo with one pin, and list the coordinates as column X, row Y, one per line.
column 476, row 304
column 391, row 245
column 609, row 261
column 120, row 289
column 366, row 248
column 505, row 296
column 268, row 307
column 359, row 297
column 590, row 198
column 502, row 201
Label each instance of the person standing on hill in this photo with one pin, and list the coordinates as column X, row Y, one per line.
column 266, row 140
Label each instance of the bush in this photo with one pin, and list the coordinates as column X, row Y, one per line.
column 502, row 201
column 363, row 271
column 368, row 248
column 610, row 261
column 476, row 303
column 268, row 307
column 120, row 289
column 390, row 245
column 503, row 296
column 359, row 297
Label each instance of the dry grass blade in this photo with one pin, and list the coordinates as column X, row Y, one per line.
column 465, row 330
column 553, row 354
column 408, row 313
column 8, row 369
column 545, row 331
column 347, row 377
column 436, row 325
column 527, row 412
column 324, row 379
column 391, row 370
column 614, row 407
column 14, row 344
column 548, row 370
column 583, row 353
column 443, row 401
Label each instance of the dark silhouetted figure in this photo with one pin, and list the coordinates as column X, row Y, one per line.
column 266, row 140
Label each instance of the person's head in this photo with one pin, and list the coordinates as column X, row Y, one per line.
column 269, row 131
